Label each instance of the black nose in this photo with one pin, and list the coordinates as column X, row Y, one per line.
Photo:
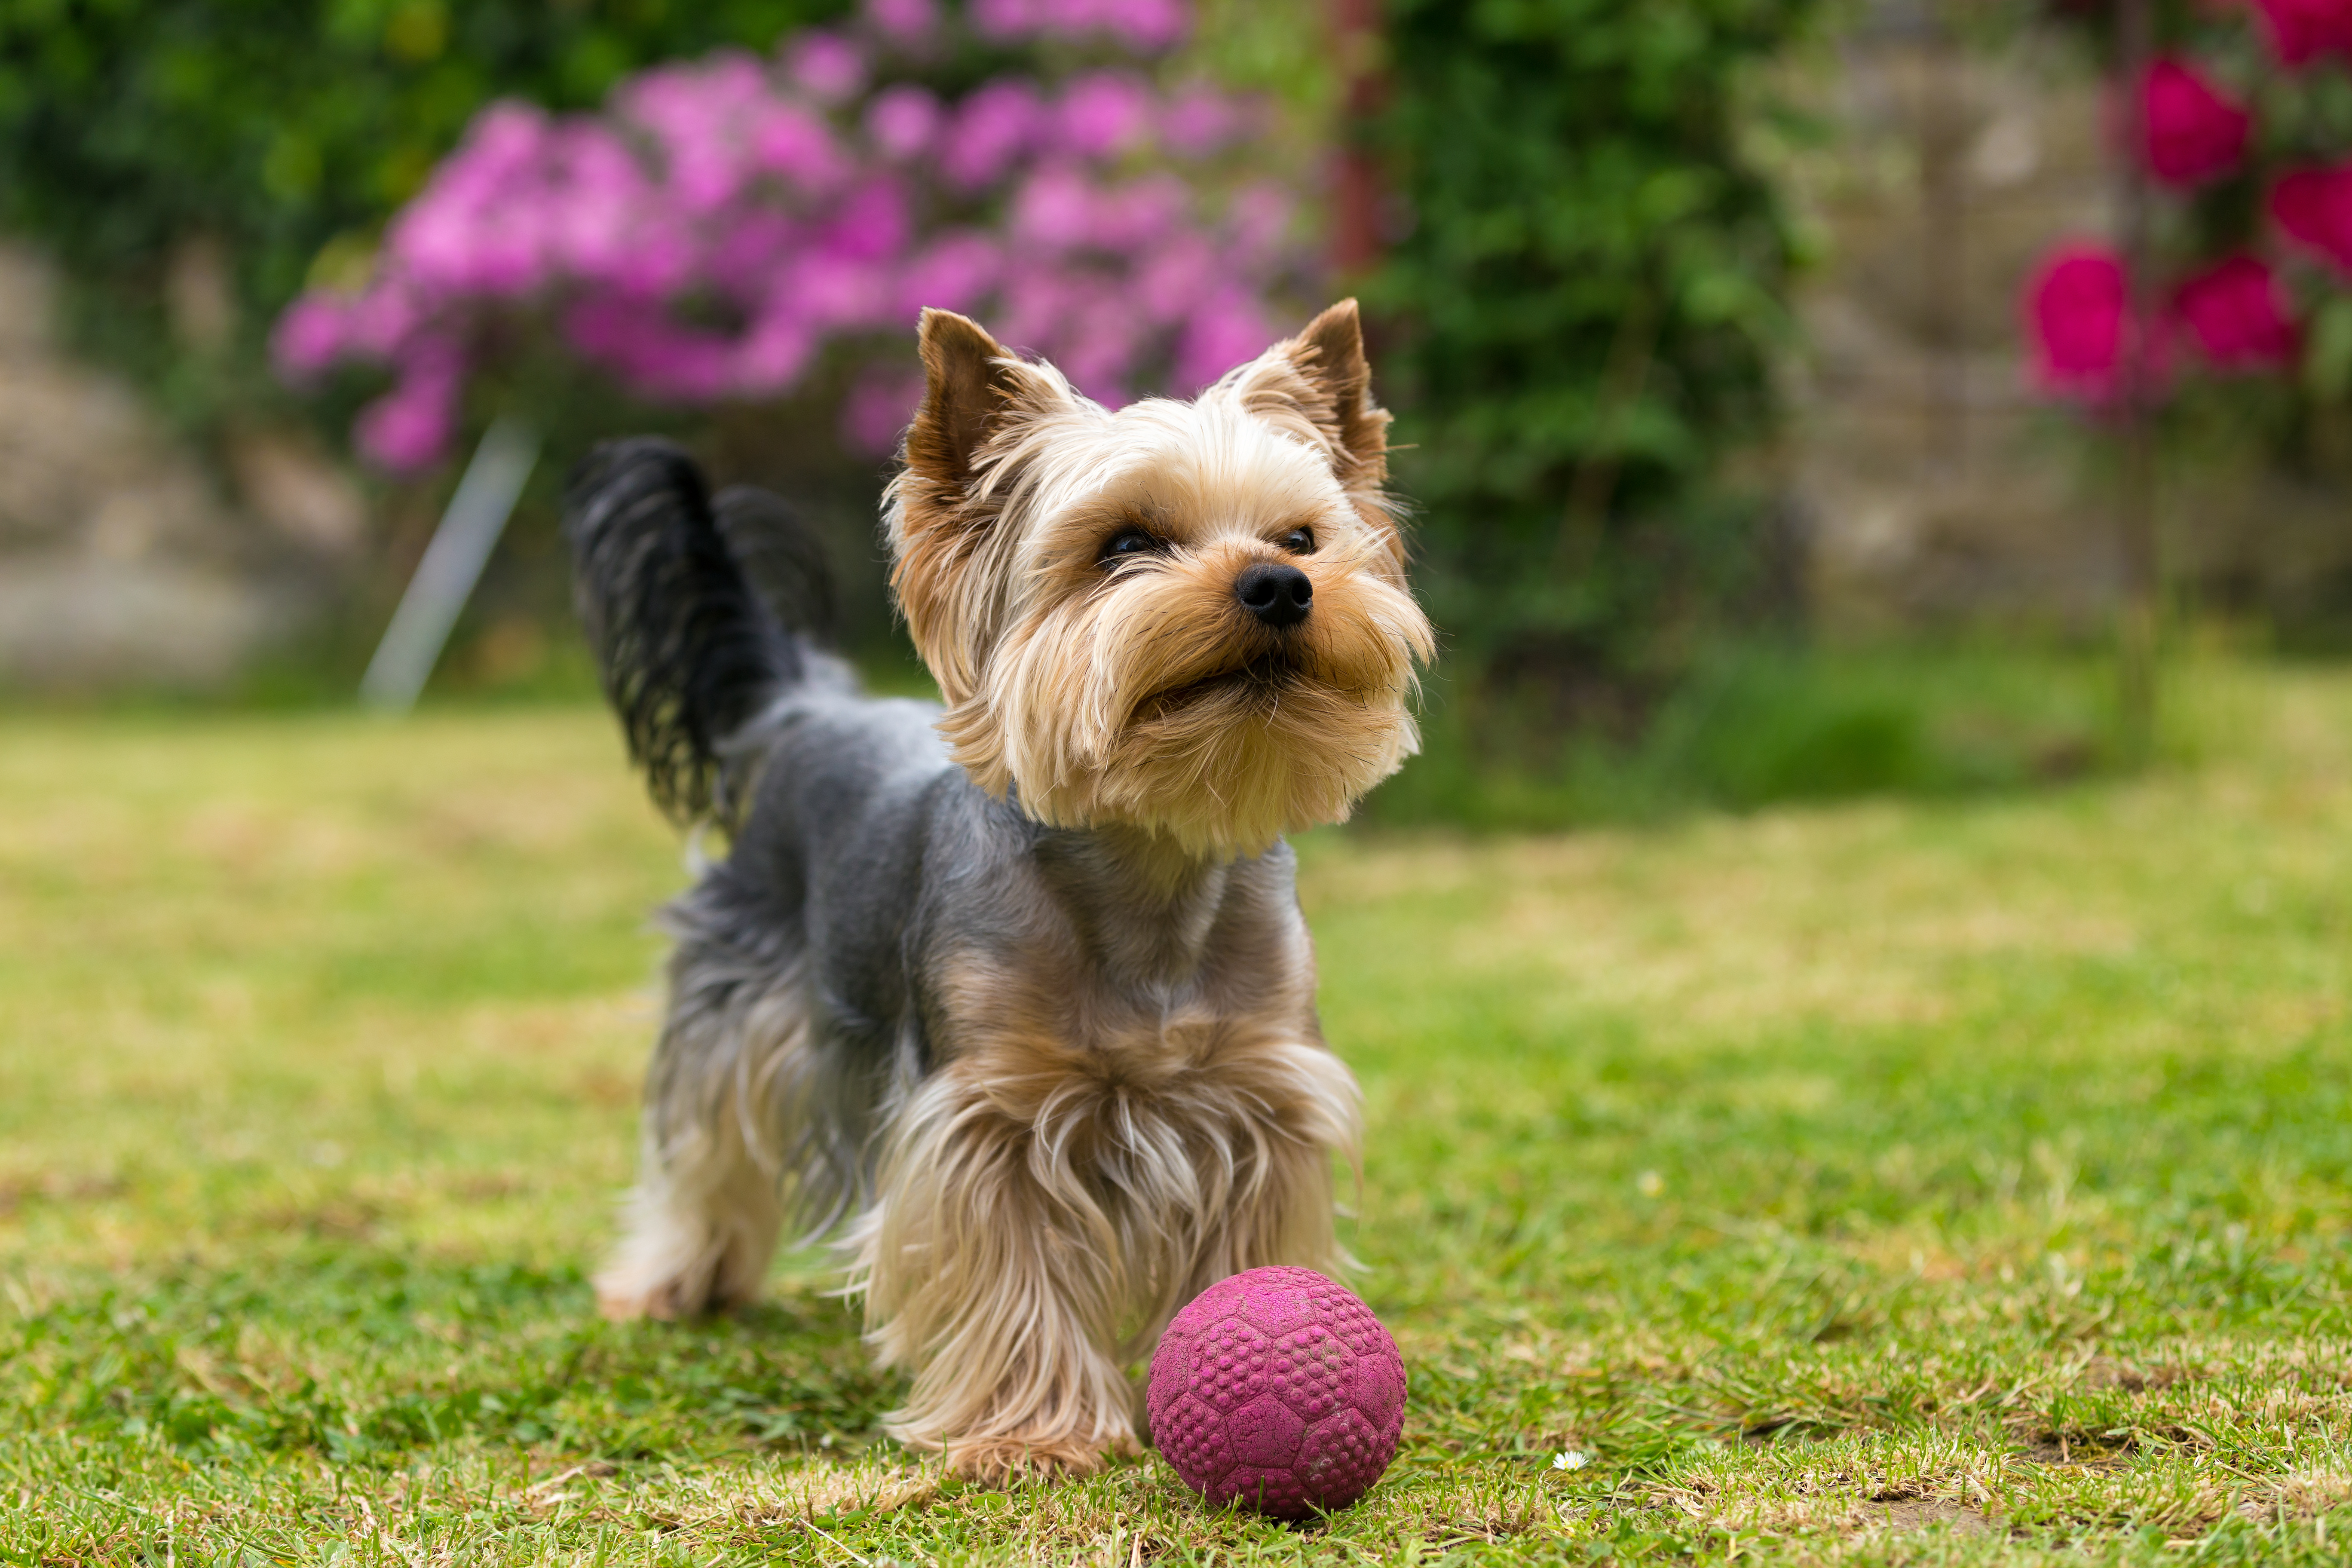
column 1277, row 595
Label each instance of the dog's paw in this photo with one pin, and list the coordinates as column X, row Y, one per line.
column 620, row 1303
column 993, row 1462
column 624, row 1295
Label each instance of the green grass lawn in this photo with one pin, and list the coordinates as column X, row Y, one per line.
column 1958, row 1182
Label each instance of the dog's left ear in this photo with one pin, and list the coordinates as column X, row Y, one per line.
column 1331, row 354
column 1318, row 386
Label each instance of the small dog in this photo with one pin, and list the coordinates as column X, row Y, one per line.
column 1020, row 989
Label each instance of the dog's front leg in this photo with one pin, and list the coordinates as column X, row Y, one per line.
column 992, row 1272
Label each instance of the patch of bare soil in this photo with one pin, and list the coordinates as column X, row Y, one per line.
column 1907, row 1514
column 2065, row 1448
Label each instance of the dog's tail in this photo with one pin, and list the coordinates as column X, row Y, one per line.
column 701, row 612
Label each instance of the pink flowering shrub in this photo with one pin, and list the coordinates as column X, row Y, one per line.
column 2194, row 132
column 2239, row 274
column 723, row 222
column 2313, row 208
column 2076, row 308
column 2300, row 31
column 2236, row 312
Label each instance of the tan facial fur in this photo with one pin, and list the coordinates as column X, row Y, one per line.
column 1139, row 692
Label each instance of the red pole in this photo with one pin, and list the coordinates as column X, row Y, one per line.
column 2136, row 627
column 1356, row 173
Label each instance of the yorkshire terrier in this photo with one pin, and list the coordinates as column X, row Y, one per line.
column 1019, row 989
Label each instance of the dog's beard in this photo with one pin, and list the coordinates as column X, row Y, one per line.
column 1150, row 701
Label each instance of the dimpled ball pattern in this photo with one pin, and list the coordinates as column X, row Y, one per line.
column 1279, row 1390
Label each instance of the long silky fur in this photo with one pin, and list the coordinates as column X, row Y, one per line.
column 751, row 1127
column 688, row 650
column 1038, row 1219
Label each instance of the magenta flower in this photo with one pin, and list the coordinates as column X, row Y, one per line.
column 1226, row 330
column 1176, row 276
column 873, row 224
column 737, row 261
column 640, row 342
column 1145, row 26
column 796, row 142
column 409, row 427
column 384, row 318
column 777, row 348
column 1141, row 215
column 903, row 123
column 994, row 127
column 2302, row 30
column 907, row 23
column 827, row 66
column 2191, row 131
column 1101, row 337
column 952, row 273
column 880, row 405
column 2076, row 308
column 698, row 116
column 500, row 146
column 595, row 189
column 2237, row 314
column 312, row 334
column 475, row 226
column 2313, row 208
column 1055, row 209
column 1103, row 113
column 1005, row 19
column 1260, row 224
column 1202, row 120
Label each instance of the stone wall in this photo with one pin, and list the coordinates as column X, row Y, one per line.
column 1938, row 489
column 124, row 558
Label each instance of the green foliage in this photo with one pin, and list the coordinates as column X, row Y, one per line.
column 283, row 130
column 1756, row 723
column 1582, row 316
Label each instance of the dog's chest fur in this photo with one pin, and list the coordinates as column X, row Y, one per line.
column 1131, row 969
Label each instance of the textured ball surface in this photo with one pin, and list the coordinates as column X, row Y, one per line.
column 1277, row 1389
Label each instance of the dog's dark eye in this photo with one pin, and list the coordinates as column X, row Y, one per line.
column 1299, row 542
column 1128, row 542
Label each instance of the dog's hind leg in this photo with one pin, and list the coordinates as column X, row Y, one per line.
column 736, row 1136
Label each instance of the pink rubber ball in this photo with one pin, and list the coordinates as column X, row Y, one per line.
column 1277, row 1390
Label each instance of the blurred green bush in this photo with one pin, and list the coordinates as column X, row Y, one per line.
column 1752, row 723
column 1584, row 304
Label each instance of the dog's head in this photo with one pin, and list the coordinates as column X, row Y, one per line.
column 1189, row 617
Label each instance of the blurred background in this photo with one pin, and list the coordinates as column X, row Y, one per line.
column 1797, row 398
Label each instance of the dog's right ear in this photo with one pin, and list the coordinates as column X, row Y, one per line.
column 973, row 390
column 963, row 455
column 964, row 389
